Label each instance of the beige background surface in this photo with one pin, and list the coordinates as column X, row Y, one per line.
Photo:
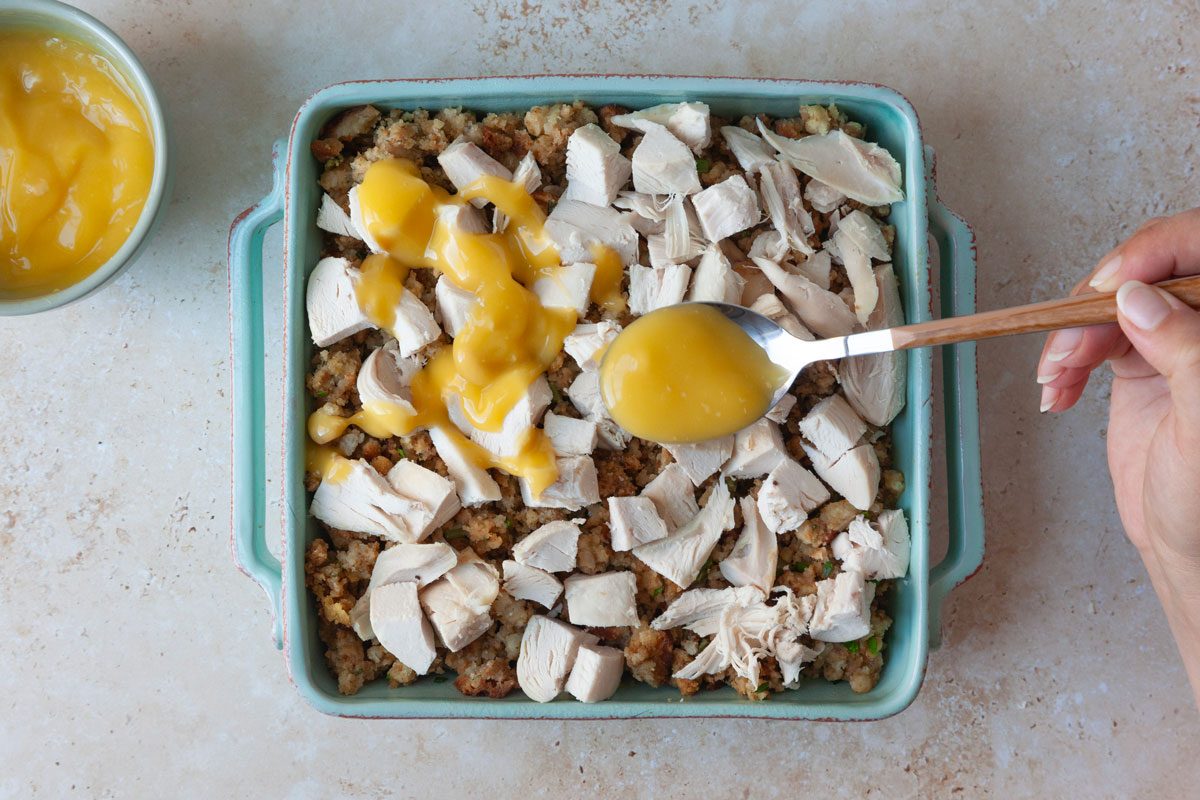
column 137, row 661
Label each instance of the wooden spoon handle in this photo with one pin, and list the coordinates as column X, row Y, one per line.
column 1071, row 312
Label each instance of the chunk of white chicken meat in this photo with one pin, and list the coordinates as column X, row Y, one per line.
column 862, row 171
column 715, row 279
column 587, row 342
column 701, row 459
column 699, row 610
column 657, row 287
column 459, row 603
column 679, row 557
column 464, row 163
column 858, row 271
column 404, row 507
column 751, row 152
column 400, row 626
column 843, row 609
column 577, row 486
column 454, row 305
column 475, row 486
column 726, row 208
column 823, row 198
column 596, row 170
column 548, row 651
column 569, row 436
column 528, row 175
column 787, row 495
column 524, row 414
column 596, row 674
column 691, row 123
column 530, row 583
column 576, row 228
column 553, row 547
column 566, row 287
column 584, row 393
column 779, row 412
column 413, row 324
column 833, row 427
column 755, row 554
column 332, row 304
column 875, row 385
column 771, row 245
column 359, row 224
column 880, row 548
column 854, row 475
column 681, row 238
column 608, row 599
column 771, row 307
column 779, row 189
column 662, row 164
column 333, row 218
column 421, row 563
column 864, row 231
column 633, row 521
column 385, row 378
column 648, row 212
column 757, row 449
column 817, row 268
column 673, row 495
column 821, row 311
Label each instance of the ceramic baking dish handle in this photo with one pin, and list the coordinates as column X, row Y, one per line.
column 249, row 543
column 956, row 252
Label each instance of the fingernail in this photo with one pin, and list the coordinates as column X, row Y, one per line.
column 1049, row 376
column 1049, row 398
column 1108, row 270
column 1145, row 306
column 1063, row 343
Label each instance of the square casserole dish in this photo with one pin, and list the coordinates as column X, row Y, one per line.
column 915, row 601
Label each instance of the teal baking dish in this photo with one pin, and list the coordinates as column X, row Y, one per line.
column 916, row 602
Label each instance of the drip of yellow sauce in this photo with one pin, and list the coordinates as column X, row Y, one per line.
column 606, row 286
column 76, row 162
column 685, row 374
column 326, row 461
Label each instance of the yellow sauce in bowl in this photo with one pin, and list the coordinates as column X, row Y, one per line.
column 76, row 162
column 685, row 374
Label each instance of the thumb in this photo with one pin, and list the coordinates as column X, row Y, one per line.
column 1166, row 332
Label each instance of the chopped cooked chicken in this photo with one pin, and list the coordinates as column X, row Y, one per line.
column 360, row 226
column 414, row 325
column 771, row 307
column 843, row 610
column 875, row 384
column 648, row 211
column 751, row 152
column 858, row 270
column 464, row 163
column 596, row 674
column 757, row 449
column 577, row 227
column 823, row 198
column 662, row 164
column 726, row 208
column 788, row 494
column 566, row 287
column 771, row 245
column 634, row 520
column 880, row 548
column 385, row 377
column 569, row 436
column 701, row 459
column 459, row 603
column 679, row 557
column 658, row 249
column 584, row 393
column 548, row 651
column 333, row 309
column 331, row 217
column 780, row 191
column 596, row 170
column 422, row 563
column 577, row 486
column 405, row 507
column 854, row 475
column 657, row 287
column 527, row 174
column 714, row 279
column 864, row 231
column 673, row 495
column 475, row 486
column 553, row 547
column 779, row 412
column 587, row 342
column 432, row 497
column 601, row 601
column 400, row 627
column 862, row 171
column 822, row 311
column 524, row 414
column 454, row 305
column 755, row 554
column 699, row 610
column 689, row 122
column 833, row 427
column 817, row 268
column 530, row 583
column 466, row 218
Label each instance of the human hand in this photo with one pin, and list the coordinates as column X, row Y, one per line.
column 1154, row 415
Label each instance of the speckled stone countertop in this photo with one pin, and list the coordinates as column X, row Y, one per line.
column 137, row 661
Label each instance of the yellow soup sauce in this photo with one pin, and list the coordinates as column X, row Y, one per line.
column 685, row 374
column 76, row 162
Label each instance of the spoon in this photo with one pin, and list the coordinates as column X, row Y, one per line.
column 794, row 354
